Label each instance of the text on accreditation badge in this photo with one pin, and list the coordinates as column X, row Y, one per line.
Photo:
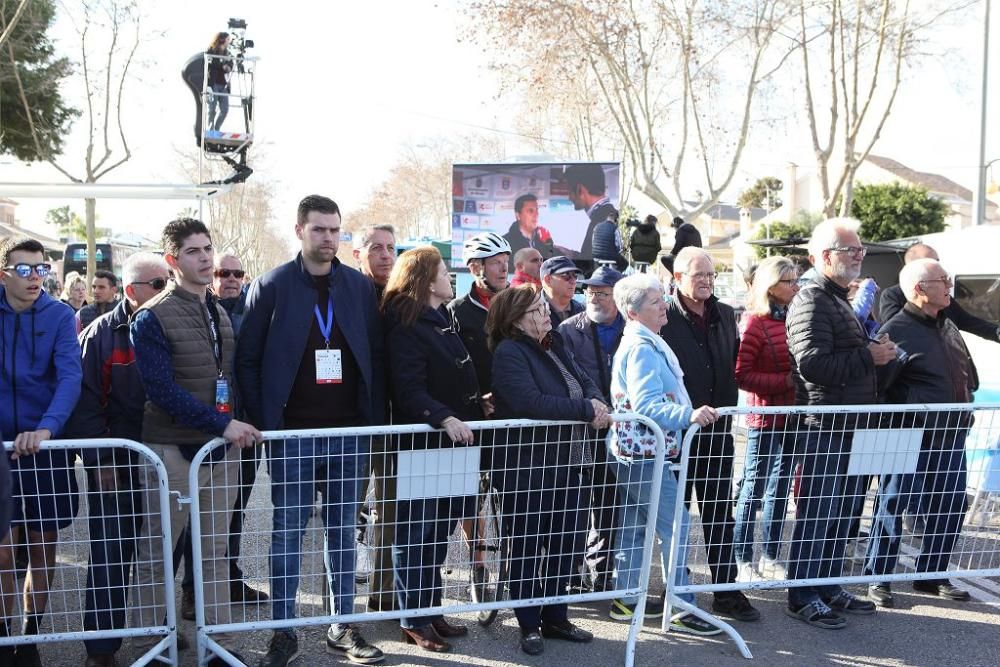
column 329, row 367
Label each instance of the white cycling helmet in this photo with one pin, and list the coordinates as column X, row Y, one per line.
column 483, row 246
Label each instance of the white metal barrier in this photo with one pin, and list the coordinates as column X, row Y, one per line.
column 469, row 528
column 834, row 485
column 93, row 552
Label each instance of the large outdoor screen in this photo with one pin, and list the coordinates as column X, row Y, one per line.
column 552, row 207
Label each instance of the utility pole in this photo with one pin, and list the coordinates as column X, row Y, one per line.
column 979, row 201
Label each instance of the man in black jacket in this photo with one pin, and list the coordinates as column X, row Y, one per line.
column 833, row 363
column 893, row 300
column 487, row 255
column 111, row 404
column 702, row 333
column 938, row 369
column 592, row 337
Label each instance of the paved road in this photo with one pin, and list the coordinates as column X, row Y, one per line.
column 921, row 631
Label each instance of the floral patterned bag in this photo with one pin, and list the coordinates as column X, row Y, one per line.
column 633, row 438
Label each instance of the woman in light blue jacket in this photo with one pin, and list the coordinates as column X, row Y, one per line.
column 646, row 378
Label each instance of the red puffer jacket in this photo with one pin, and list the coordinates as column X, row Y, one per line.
column 763, row 367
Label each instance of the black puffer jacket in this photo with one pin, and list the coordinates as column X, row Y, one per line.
column 938, row 367
column 830, row 358
column 644, row 243
column 607, row 244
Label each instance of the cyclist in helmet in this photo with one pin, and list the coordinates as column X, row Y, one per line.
column 487, row 256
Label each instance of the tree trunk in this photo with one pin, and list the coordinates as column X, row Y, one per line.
column 90, row 215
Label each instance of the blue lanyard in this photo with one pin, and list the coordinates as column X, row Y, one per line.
column 325, row 328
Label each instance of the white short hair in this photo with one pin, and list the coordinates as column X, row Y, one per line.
column 826, row 235
column 631, row 291
column 913, row 273
column 687, row 255
column 135, row 264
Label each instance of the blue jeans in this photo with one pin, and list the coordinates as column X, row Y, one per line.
column 299, row 468
column 635, row 482
column 221, row 98
column 939, row 486
column 824, row 513
column 420, row 548
column 766, row 474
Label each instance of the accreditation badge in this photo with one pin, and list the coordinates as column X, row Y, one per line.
column 329, row 367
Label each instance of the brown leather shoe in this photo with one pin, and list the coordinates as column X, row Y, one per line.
column 426, row 638
column 446, row 629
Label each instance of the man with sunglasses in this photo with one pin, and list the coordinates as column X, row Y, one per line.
column 39, row 385
column 559, row 276
column 230, row 287
column 111, row 405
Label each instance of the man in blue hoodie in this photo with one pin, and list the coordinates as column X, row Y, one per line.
column 39, row 386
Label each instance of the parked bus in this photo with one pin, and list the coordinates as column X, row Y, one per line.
column 107, row 256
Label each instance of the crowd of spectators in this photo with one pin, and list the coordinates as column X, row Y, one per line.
column 190, row 353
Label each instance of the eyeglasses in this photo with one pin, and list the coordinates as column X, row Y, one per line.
column 24, row 270
column 597, row 296
column 541, row 309
column 155, row 283
column 947, row 280
column 226, row 273
column 791, row 281
column 853, row 250
column 703, row 276
column 568, row 276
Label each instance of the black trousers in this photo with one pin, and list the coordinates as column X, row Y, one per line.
column 710, row 475
column 547, row 514
column 115, row 517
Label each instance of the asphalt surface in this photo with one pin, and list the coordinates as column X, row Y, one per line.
column 921, row 630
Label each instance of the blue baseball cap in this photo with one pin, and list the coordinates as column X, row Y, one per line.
column 603, row 276
column 557, row 264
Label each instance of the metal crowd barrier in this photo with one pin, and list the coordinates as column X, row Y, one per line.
column 465, row 523
column 103, row 563
column 846, row 495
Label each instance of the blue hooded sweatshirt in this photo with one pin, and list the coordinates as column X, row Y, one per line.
column 40, row 370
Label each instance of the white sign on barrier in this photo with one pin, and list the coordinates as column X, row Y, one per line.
column 885, row 452
column 437, row 473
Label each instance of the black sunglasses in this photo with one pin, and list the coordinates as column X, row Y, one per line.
column 24, row 270
column 226, row 273
column 155, row 283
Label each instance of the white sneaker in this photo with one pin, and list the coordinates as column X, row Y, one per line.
column 745, row 573
column 772, row 569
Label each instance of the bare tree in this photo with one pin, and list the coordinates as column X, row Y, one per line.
column 242, row 221
column 109, row 33
column 415, row 196
column 853, row 57
column 661, row 79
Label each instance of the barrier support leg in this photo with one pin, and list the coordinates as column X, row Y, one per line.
column 705, row 616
